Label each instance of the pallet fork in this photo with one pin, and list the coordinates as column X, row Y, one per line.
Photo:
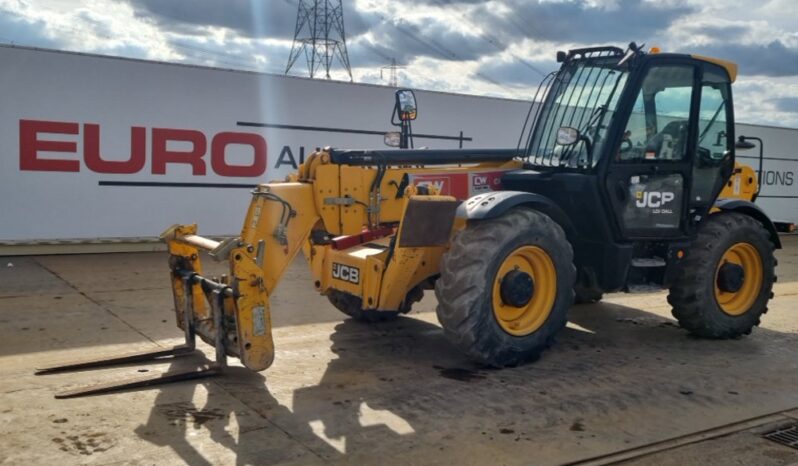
column 218, row 293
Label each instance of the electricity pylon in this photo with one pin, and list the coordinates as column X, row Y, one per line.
column 319, row 34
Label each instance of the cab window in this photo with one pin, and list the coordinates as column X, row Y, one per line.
column 714, row 135
column 657, row 128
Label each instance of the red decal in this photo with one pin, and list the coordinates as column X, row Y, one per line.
column 95, row 162
column 161, row 156
column 486, row 181
column 452, row 184
column 30, row 145
column 219, row 163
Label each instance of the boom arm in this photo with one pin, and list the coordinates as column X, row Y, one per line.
column 365, row 227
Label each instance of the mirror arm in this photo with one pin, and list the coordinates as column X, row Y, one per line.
column 588, row 148
column 394, row 115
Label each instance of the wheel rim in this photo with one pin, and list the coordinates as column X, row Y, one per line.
column 529, row 317
column 737, row 302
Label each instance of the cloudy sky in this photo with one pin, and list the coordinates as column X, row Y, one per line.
column 494, row 47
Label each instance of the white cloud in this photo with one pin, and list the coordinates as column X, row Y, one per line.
column 496, row 47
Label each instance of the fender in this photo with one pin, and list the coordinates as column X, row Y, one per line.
column 495, row 203
column 752, row 210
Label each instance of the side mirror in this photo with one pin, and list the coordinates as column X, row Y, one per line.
column 392, row 138
column 567, row 136
column 743, row 144
column 406, row 105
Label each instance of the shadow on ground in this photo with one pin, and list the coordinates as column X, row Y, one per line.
column 616, row 375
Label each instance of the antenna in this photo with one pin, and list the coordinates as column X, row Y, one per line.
column 394, row 81
column 319, row 34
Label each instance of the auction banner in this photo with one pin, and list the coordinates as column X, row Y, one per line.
column 95, row 147
column 98, row 147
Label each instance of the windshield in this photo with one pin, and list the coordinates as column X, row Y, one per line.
column 583, row 95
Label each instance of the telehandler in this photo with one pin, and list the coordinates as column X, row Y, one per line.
column 625, row 180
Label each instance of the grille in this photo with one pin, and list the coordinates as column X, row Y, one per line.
column 787, row 436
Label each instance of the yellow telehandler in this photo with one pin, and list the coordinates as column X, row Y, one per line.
column 625, row 179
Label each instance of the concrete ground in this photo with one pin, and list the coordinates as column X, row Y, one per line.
column 624, row 383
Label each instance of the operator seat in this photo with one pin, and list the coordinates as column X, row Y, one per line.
column 669, row 144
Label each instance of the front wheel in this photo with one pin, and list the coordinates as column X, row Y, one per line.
column 505, row 287
column 723, row 286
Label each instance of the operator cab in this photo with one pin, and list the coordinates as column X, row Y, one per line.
column 635, row 148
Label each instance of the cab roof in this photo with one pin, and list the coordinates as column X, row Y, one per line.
column 730, row 67
column 611, row 51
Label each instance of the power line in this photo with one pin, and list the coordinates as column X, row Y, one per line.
column 447, row 54
column 374, row 49
column 217, row 57
column 494, row 41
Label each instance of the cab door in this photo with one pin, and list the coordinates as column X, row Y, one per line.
column 649, row 176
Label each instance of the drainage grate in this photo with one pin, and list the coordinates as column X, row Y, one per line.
column 786, row 436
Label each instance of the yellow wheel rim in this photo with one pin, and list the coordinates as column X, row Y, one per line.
column 526, row 319
column 739, row 302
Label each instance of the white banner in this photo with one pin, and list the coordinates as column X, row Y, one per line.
column 99, row 147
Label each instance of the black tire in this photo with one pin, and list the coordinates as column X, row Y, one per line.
column 465, row 287
column 692, row 294
column 584, row 295
column 352, row 306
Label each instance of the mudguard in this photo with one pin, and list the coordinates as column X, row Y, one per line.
column 753, row 210
column 495, row 203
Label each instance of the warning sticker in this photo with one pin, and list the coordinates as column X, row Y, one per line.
column 485, row 181
column 448, row 184
column 460, row 185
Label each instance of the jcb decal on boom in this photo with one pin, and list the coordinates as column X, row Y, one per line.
column 346, row 273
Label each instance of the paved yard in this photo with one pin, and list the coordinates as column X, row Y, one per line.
column 621, row 377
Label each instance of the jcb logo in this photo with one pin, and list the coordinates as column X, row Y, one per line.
column 346, row 273
column 653, row 199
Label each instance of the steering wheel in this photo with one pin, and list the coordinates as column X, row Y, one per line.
column 705, row 158
column 626, row 146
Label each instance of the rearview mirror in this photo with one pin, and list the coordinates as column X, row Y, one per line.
column 567, row 136
column 406, row 105
column 743, row 144
column 392, row 138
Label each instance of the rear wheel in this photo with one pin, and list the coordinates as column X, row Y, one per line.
column 722, row 288
column 352, row 306
column 505, row 287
